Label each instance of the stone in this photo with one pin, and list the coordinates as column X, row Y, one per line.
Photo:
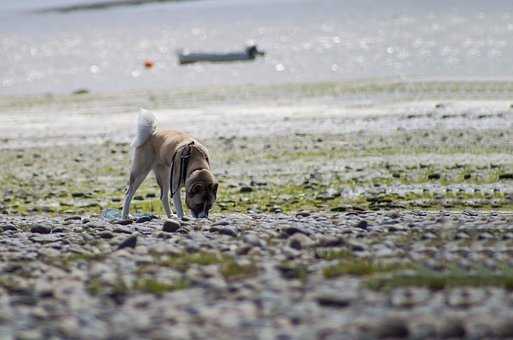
column 8, row 227
column 106, row 235
column 452, row 329
column 221, row 223
column 246, row 189
column 143, row 219
column 392, row 328
column 130, row 242
column 357, row 246
column 505, row 329
column 363, row 224
column 333, row 300
column 122, row 222
column 291, row 230
column 171, row 226
column 73, row 218
column 329, row 242
column 225, row 230
column 254, row 240
column 302, row 214
column 300, row 241
column 40, row 229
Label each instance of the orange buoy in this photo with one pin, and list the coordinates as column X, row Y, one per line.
column 149, row 64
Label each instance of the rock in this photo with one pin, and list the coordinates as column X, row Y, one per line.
column 130, row 242
column 106, row 235
column 506, row 176
column 356, row 246
column 225, row 230
column 171, row 226
column 334, row 301
column 46, row 238
column 434, row 176
column 122, row 222
column 302, row 214
column 363, row 224
column 291, row 230
column 329, row 242
column 246, row 189
column 300, row 241
column 452, row 329
column 122, row 230
column 392, row 328
column 40, row 229
column 73, row 218
column 143, row 219
column 505, row 329
column 221, row 223
column 254, row 240
column 8, row 227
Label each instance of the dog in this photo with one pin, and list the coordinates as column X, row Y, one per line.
column 178, row 160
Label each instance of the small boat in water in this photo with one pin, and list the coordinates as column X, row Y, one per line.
column 250, row 53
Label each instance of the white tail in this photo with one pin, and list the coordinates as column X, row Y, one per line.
column 146, row 126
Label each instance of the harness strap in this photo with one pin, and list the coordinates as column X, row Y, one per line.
column 184, row 160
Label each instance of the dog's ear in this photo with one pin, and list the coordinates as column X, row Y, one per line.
column 214, row 187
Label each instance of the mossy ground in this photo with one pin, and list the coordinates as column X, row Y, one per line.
column 454, row 170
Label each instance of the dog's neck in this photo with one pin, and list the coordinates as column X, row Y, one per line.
column 198, row 160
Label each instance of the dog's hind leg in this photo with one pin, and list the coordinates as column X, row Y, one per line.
column 141, row 166
column 162, row 175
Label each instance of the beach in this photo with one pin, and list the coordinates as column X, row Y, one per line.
column 355, row 202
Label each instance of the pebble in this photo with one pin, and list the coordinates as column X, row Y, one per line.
column 246, row 189
column 300, row 241
column 122, row 222
column 452, row 329
column 392, row 328
column 335, row 301
column 285, row 278
column 291, row 230
column 224, row 230
column 505, row 329
column 106, row 235
column 171, row 226
column 41, row 229
column 8, row 227
column 143, row 219
column 130, row 242
column 363, row 224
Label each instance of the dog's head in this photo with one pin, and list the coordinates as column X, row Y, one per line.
column 201, row 192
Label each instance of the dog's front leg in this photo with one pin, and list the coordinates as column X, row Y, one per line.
column 177, row 201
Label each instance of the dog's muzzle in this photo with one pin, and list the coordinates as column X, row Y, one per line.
column 201, row 214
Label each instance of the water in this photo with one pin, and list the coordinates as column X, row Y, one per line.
column 305, row 41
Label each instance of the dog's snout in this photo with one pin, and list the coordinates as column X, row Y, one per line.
column 200, row 214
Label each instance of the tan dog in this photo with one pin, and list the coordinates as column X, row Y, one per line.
column 177, row 160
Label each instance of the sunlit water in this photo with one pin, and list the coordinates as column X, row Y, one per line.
column 305, row 41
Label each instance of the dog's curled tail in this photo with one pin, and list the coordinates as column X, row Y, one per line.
column 146, row 126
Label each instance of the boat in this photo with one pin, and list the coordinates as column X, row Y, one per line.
column 251, row 52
